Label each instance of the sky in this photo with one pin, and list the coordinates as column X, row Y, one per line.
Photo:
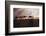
column 26, row 12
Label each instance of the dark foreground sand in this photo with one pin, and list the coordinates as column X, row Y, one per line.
column 26, row 23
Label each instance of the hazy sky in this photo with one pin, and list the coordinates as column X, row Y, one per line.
column 26, row 12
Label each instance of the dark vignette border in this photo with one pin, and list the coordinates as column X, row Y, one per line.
column 7, row 13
